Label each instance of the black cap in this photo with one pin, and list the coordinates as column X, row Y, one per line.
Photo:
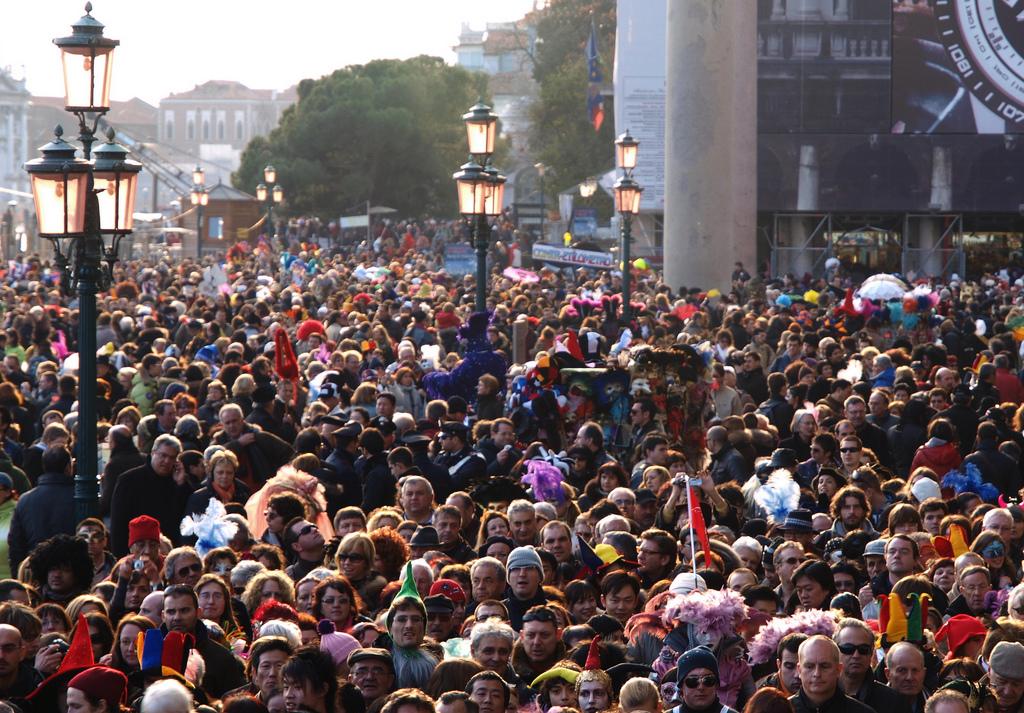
column 383, row 424
column 371, row 654
column 454, row 428
column 645, row 495
column 425, row 536
column 439, row 603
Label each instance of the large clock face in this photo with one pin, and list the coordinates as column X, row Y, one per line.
column 985, row 42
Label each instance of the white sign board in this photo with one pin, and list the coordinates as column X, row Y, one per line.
column 639, row 78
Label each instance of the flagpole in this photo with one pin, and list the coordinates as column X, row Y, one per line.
column 689, row 520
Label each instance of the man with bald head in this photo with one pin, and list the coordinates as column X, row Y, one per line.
column 820, row 671
column 727, row 463
column 945, row 378
column 17, row 677
column 904, row 669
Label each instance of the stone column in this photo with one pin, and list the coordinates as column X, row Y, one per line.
column 710, row 141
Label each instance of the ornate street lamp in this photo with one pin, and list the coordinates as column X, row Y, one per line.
column 269, row 196
column 481, row 189
column 79, row 202
column 627, row 204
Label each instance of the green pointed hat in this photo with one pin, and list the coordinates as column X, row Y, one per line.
column 409, row 585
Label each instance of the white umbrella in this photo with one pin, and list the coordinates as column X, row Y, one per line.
column 882, row 287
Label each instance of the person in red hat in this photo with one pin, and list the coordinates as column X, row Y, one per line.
column 99, row 689
column 964, row 636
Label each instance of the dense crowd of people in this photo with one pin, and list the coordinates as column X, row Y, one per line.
column 327, row 485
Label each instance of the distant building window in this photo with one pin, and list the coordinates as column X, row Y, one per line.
column 190, row 130
column 239, row 130
column 206, row 130
column 169, row 130
column 220, row 130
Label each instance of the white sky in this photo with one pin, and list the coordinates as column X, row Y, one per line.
column 172, row 46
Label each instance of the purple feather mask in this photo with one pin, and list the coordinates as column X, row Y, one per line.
column 545, row 480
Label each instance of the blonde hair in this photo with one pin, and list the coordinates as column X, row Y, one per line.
column 639, row 694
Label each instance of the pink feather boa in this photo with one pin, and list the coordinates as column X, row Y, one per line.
column 766, row 643
column 714, row 613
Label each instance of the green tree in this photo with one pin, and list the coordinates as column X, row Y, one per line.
column 562, row 135
column 389, row 131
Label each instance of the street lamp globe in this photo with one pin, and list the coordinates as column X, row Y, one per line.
column 495, row 197
column 115, row 180
column 627, row 196
column 481, row 125
column 60, row 183
column 270, row 174
column 473, row 185
column 198, row 177
column 261, row 193
column 278, row 194
column 87, row 57
column 626, row 148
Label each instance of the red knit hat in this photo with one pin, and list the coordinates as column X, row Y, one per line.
column 958, row 631
column 449, row 588
column 102, row 683
column 143, row 527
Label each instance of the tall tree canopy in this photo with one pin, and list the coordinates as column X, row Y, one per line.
column 389, row 131
column 562, row 135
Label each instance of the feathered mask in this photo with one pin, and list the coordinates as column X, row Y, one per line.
column 765, row 643
column 778, row 497
column 545, row 480
column 212, row 529
column 968, row 480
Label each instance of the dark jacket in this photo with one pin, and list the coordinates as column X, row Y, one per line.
column 881, row 698
column 198, row 500
column 729, row 466
column 379, row 487
column 996, row 468
column 839, row 703
column 259, row 460
column 46, row 510
column 141, row 491
column 122, row 459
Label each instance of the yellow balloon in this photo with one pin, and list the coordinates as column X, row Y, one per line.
column 640, row 264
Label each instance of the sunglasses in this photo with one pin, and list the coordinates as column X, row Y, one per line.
column 542, row 615
column 709, row 681
column 862, row 649
column 849, row 450
column 353, row 556
column 191, row 569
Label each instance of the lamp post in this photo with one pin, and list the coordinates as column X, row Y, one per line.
column 481, row 189
column 200, row 198
column 270, row 193
column 80, row 201
column 541, row 168
column 627, row 204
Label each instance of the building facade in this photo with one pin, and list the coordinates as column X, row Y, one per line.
column 214, row 121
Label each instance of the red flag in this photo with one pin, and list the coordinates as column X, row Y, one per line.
column 285, row 363
column 698, row 526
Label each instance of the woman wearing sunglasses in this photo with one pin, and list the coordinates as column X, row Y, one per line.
column 697, row 681
column 990, row 546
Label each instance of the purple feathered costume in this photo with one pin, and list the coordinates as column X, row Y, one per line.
column 480, row 359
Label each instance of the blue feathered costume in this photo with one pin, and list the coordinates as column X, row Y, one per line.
column 479, row 359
